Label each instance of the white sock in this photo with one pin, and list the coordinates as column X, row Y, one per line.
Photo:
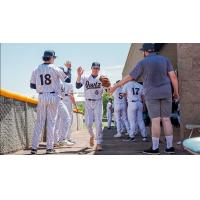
column 169, row 140
column 155, row 143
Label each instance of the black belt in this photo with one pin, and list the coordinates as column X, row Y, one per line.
column 135, row 101
column 66, row 95
column 47, row 92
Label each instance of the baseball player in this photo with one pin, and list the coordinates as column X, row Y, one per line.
column 134, row 93
column 46, row 80
column 64, row 120
column 109, row 109
column 93, row 90
column 120, row 111
column 69, row 100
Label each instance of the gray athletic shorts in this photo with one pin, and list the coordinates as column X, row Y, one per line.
column 159, row 107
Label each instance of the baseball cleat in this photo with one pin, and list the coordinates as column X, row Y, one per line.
column 144, row 139
column 50, row 151
column 99, row 147
column 118, row 135
column 33, row 151
column 66, row 143
column 70, row 140
column 170, row 150
column 151, row 151
column 130, row 139
column 92, row 141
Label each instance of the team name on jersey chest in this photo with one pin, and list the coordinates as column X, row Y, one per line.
column 95, row 85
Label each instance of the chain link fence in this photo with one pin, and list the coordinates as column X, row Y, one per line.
column 17, row 124
column 17, row 121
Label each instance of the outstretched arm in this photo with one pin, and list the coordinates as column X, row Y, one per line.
column 125, row 80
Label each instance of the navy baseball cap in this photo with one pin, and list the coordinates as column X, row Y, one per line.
column 49, row 53
column 95, row 64
column 148, row 47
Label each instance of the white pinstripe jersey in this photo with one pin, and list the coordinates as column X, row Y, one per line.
column 67, row 89
column 93, row 88
column 118, row 98
column 134, row 91
column 108, row 107
column 47, row 78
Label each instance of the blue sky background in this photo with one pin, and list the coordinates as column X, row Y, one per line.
column 19, row 60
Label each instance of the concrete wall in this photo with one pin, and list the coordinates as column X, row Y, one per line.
column 189, row 81
column 134, row 55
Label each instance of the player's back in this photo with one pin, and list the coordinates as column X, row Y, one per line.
column 118, row 96
column 47, row 79
column 134, row 91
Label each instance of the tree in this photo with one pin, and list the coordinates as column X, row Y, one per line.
column 81, row 107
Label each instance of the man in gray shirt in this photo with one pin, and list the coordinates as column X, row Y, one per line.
column 158, row 74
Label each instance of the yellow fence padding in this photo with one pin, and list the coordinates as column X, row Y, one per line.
column 23, row 98
column 17, row 96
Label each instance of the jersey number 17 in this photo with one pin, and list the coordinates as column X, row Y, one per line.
column 135, row 91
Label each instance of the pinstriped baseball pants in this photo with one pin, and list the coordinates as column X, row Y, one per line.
column 135, row 117
column 46, row 112
column 120, row 115
column 62, row 123
column 93, row 114
column 68, row 103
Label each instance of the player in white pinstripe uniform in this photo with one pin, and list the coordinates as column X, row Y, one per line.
column 109, row 111
column 93, row 105
column 65, row 116
column 69, row 100
column 64, row 119
column 134, row 93
column 62, row 122
column 120, row 110
column 46, row 80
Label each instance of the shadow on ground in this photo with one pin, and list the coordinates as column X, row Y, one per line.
column 117, row 146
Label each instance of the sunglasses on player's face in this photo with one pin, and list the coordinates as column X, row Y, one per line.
column 97, row 68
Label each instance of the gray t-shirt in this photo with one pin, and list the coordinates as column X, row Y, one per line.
column 154, row 70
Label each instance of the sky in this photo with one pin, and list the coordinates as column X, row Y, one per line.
column 19, row 60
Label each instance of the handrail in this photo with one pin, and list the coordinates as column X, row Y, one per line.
column 17, row 96
column 23, row 98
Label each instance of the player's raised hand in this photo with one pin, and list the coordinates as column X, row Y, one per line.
column 68, row 64
column 80, row 71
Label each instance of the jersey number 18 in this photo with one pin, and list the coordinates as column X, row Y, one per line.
column 47, row 78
